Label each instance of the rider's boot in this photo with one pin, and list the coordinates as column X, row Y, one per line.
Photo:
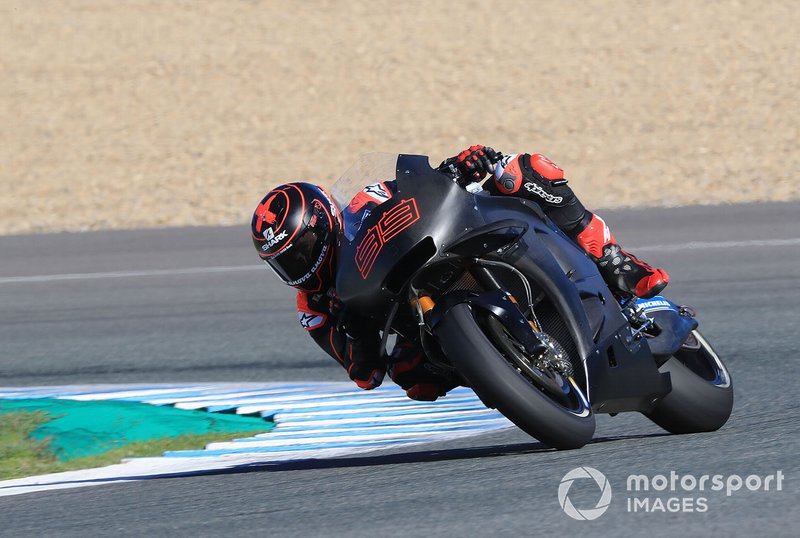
column 622, row 271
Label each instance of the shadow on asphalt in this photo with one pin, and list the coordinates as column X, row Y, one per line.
column 422, row 456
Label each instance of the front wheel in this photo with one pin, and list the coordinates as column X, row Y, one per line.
column 701, row 399
column 544, row 404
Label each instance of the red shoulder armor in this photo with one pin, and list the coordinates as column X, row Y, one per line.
column 546, row 168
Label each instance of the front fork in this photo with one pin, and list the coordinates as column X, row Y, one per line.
column 486, row 279
column 495, row 301
column 539, row 349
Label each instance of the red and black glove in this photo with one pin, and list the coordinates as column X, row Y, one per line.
column 361, row 355
column 473, row 163
column 365, row 365
column 366, row 377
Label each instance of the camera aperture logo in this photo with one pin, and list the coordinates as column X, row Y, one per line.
column 586, row 514
column 660, row 493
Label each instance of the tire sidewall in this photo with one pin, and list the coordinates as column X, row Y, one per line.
column 694, row 404
column 500, row 385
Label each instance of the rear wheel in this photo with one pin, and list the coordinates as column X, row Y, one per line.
column 539, row 400
column 701, row 399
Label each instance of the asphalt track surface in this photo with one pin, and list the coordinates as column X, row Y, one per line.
column 168, row 321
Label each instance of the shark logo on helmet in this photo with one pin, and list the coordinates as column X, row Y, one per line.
column 272, row 239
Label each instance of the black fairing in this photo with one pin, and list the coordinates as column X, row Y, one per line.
column 449, row 217
column 435, row 197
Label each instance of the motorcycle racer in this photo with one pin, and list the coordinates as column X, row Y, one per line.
column 295, row 228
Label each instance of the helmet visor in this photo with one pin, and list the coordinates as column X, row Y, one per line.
column 302, row 258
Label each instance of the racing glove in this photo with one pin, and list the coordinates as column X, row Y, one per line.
column 473, row 163
column 365, row 367
column 366, row 377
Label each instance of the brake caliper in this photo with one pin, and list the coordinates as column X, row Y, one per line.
column 554, row 358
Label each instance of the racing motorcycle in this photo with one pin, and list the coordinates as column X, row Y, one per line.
column 502, row 301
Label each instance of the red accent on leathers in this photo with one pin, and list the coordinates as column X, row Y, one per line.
column 511, row 179
column 595, row 237
column 304, row 308
column 546, row 168
column 332, row 350
column 302, row 302
column 360, row 200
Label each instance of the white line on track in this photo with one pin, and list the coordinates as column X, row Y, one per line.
column 130, row 274
column 702, row 245
column 693, row 245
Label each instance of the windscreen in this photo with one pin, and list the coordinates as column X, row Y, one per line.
column 369, row 168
